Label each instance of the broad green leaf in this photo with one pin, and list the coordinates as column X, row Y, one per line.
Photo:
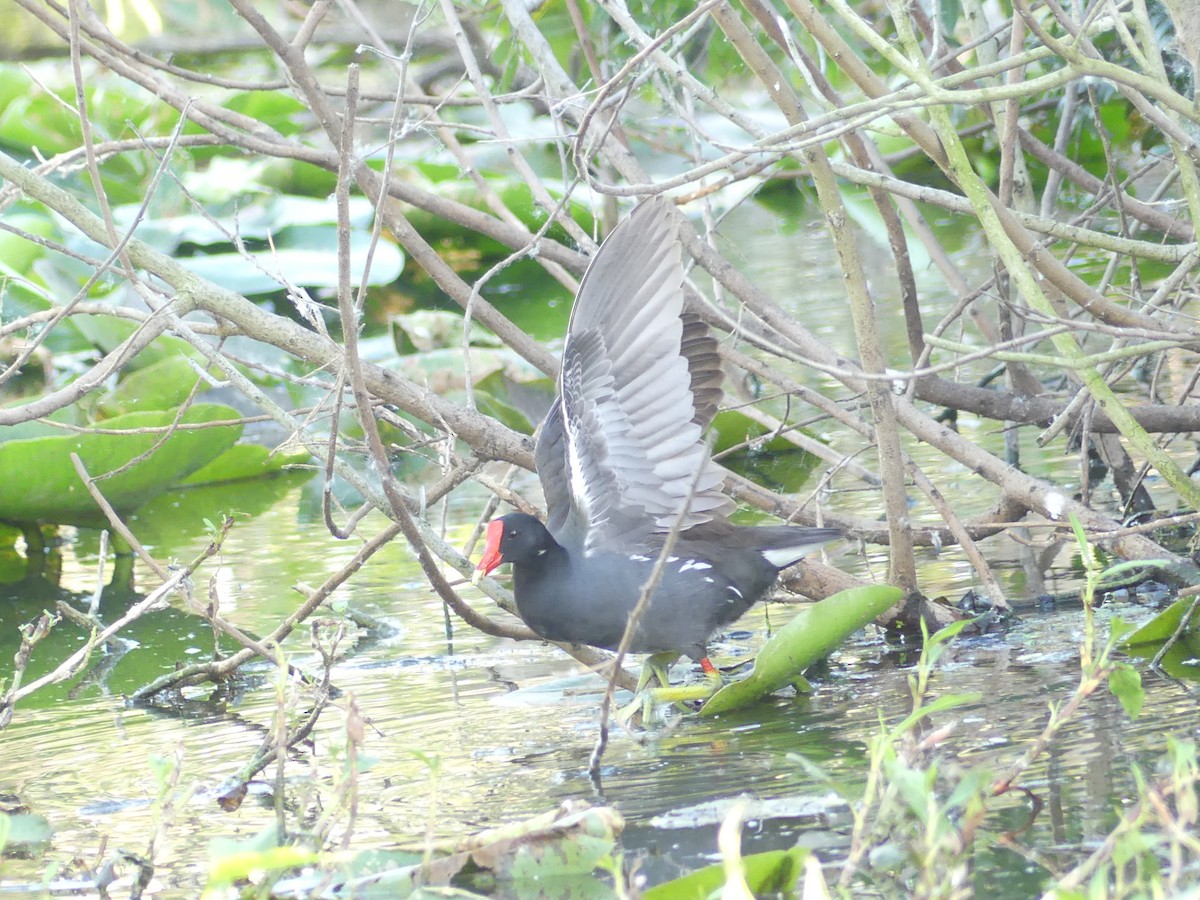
column 281, row 111
column 1125, row 682
column 492, row 405
column 46, row 426
column 776, row 463
column 951, row 11
column 1165, row 624
column 1118, row 628
column 1182, row 659
column 519, row 405
column 265, row 839
column 175, row 517
column 445, row 370
column 915, row 786
column 107, row 332
column 562, row 857
column 17, row 252
column 14, row 83
column 21, row 296
column 810, row 635
column 37, row 121
column 772, row 873
column 243, row 461
column 24, row 828
column 57, row 495
column 164, row 384
column 239, row 866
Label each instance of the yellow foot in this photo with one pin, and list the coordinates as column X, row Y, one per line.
column 654, row 669
column 689, row 693
column 646, row 698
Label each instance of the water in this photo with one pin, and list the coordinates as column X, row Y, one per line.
column 505, row 750
column 467, row 731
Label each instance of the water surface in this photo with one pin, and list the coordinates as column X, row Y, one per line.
column 468, row 732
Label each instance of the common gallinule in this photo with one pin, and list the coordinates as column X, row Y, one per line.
column 622, row 459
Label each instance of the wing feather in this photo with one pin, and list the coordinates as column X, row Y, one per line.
column 640, row 381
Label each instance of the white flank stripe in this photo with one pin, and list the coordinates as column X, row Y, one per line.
column 783, row 556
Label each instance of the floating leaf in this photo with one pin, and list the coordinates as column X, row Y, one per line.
column 772, row 873
column 231, row 861
column 1165, row 624
column 518, row 404
column 162, row 385
column 23, row 828
column 444, row 370
column 1182, row 659
column 811, row 634
column 244, row 461
column 107, row 333
column 57, row 495
column 774, row 462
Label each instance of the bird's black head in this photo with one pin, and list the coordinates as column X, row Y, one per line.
column 515, row 538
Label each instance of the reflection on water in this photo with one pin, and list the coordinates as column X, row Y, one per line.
column 504, row 751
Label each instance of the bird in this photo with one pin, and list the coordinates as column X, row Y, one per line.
column 623, row 464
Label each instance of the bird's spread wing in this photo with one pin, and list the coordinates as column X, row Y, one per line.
column 640, row 381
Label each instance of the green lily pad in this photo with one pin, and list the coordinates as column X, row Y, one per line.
column 108, row 332
column 811, row 634
column 444, row 370
column 776, row 463
column 773, row 873
column 1182, row 659
column 519, row 405
column 1165, row 624
column 232, row 860
column 56, row 494
column 576, row 847
column 24, row 829
column 164, row 384
column 243, row 461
